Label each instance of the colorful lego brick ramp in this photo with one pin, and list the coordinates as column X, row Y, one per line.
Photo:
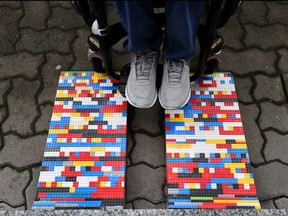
column 84, row 160
column 207, row 158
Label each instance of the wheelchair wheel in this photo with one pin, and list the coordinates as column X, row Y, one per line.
column 97, row 65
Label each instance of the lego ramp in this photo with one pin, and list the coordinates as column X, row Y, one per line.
column 207, row 158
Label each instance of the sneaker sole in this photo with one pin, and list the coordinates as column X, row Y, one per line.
column 137, row 105
column 171, row 108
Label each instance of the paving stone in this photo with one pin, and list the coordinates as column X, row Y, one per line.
column 65, row 19
column 80, row 48
column 9, row 30
column 267, row 205
column 51, row 74
column 282, row 203
column 274, row 116
column 129, row 146
column 129, row 206
column 44, row 121
column 271, row 180
column 36, row 13
column 283, row 63
column 253, row 12
column 285, row 77
column 144, row 204
column 32, row 188
column 232, row 33
column 149, row 149
column 111, row 13
column 49, row 40
column 21, row 105
column 23, row 152
column 65, row 4
column 253, row 136
column 10, row 4
column 277, row 13
column 243, row 87
column 2, row 114
column 20, row 64
column 145, row 181
column 276, row 147
column 272, row 36
column 269, row 87
column 148, row 119
column 120, row 59
column 238, row 61
column 5, row 207
column 12, row 185
column 4, row 85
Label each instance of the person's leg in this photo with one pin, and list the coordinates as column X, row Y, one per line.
column 182, row 23
column 144, row 40
column 139, row 21
column 181, row 30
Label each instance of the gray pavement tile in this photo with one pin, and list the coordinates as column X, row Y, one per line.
column 267, row 205
column 282, row 203
column 144, row 204
column 276, row 147
column 130, row 144
column 119, row 59
column 272, row 36
column 80, row 48
column 143, row 181
column 43, row 122
column 20, row 64
column 253, row 136
column 4, row 85
column 232, row 33
column 248, row 61
column 12, row 185
column 243, row 87
column 283, row 63
column 285, row 77
column 65, row 19
column 112, row 15
column 269, row 87
column 32, row 188
column 271, row 180
column 149, row 149
column 23, row 152
column 5, row 207
column 10, row 4
column 253, row 12
column 9, row 30
column 277, row 13
column 22, row 107
column 65, row 4
column 148, row 119
column 36, row 13
column 48, row 40
column 2, row 114
column 274, row 116
column 129, row 205
column 51, row 72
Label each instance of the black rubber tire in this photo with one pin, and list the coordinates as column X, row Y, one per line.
column 97, row 65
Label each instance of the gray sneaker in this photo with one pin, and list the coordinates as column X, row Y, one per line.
column 141, row 85
column 175, row 89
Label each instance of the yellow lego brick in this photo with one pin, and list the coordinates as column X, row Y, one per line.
column 224, row 116
column 234, row 165
column 223, row 155
column 205, row 115
column 59, row 184
column 83, row 163
column 58, row 131
column 96, row 140
column 97, row 149
column 216, row 141
column 108, row 114
column 72, row 190
column 238, row 146
column 59, row 139
column 48, row 184
column 201, row 170
column 75, row 114
column 179, row 146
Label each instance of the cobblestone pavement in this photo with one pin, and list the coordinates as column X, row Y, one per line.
column 39, row 39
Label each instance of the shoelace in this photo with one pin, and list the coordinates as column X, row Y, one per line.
column 175, row 69
column 143, row 65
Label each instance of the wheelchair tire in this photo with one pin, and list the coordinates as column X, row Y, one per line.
column 97, row 65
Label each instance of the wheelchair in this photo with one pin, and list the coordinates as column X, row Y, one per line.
column 215, row 15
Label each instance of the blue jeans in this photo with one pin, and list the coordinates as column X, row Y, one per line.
column 139, row 21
